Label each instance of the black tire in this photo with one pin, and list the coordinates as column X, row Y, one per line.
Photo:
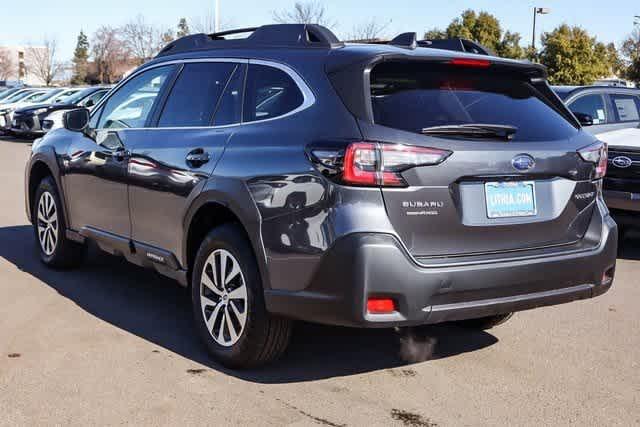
column 66, row 253
column 264, row 337
column 484, row 323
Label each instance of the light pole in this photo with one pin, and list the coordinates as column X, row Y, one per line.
column 216, row 23
column 636, row 20
column 537, row 11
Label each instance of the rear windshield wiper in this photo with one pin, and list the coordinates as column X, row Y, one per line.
column 475, row 130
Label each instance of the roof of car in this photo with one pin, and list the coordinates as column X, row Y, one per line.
column 567, row 90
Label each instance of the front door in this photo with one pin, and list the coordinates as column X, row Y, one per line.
column 96, row 167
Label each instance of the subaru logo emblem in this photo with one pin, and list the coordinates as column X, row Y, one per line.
column 622, row 162
column 523, row 162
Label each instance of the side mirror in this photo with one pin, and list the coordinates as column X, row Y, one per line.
column 76, row 120
column 584, row 119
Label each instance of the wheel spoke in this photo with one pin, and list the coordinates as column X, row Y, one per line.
column 239, row 293
column 234, row 272
column 212, row 320
column 232, row 329
column 240, row 316
column 221, row 331
column 41, row 217
column 206, row 302
column 206, row 281
column 223, row 269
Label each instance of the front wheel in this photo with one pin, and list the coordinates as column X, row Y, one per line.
column 228, row 303
column 49, row 227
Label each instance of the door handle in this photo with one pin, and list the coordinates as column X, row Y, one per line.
column 121, row 155
column 197, row 157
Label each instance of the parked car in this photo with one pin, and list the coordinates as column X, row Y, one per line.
column 7, row 92
column 291, row 176
column 45, row 96
column 617, row 122
column 35, row 120
column 17, row 95
column 16, row 101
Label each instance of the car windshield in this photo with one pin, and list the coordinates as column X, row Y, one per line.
column 18, row 96
column 46, row 96
column 78, row 96
column 415, row 97
column 6, row 94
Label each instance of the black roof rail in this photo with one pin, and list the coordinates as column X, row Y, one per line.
column 277, row 35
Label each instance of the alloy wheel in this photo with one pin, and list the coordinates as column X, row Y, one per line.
column 223, row 297
column 47, row 223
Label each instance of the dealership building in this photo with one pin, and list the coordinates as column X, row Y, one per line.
column 19, row 63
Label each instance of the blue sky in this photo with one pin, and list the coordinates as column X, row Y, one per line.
column 610, row 21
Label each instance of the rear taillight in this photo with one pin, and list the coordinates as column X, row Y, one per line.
column 470, row 63
column 598, row 155
column 379, row 164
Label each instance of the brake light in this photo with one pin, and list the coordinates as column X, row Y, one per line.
column 380, row 306
column 377, row 164
column 470, row 63
column 597, row 154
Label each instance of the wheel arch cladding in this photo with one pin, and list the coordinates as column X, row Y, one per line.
column 39, row 171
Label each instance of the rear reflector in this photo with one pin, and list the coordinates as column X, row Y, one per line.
column 380, row 306
column 470, row 63
column 597, row 154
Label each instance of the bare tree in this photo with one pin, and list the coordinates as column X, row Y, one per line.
column 110, row 54
column 143, row 40
column 205, row 23
column 6, row 64
column 41, row 61
column 371, row 30
column 305, row 12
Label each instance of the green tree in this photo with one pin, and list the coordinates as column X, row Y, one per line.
column 435, row 34
column 485, row 29
column 80, row 59
column 183, row 28
column 631, row 56
column 573, row 57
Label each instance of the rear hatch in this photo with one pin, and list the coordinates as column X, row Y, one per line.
column 514, row 180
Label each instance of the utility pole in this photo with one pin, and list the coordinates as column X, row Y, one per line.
column 216, row 24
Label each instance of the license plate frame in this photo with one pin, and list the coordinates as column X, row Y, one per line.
column 510, row 199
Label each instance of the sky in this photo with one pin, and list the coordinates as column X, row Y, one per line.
column 609, row 21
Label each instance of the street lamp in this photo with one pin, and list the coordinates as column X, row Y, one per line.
column 216, row 24
column 537, row 11
column 636, row 20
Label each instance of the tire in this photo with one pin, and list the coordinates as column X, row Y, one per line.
column 262, row 338
column 484, row 323
column 49, row 227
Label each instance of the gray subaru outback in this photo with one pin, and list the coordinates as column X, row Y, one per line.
column 289, row 176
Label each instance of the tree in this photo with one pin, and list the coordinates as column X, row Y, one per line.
column 183, row 28
column 109, row 53
column 573, row 57
column 80, row 59
column 305, row 12
column 485, row 29
column 435, row 34
column 6, row 64
column 370, row 30
column 142, row 40
column 42, row 61
column 630, row 51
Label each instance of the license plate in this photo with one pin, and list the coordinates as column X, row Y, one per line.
column 510, row 199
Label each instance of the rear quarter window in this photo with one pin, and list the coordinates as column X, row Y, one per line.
column 412, row 97
column 270, row 93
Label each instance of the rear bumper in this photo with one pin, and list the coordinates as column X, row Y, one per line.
column 360, row 266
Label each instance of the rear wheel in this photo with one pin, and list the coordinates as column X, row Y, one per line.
column 50, row 229
column 228, row 303
column 484, row 323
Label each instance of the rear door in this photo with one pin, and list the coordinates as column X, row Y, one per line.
column 493, row 194
column 170, row 163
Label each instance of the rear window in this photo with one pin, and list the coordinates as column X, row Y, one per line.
column 412, row 97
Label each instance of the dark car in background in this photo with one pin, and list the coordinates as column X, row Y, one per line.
column 613, row 115
column 35, row 120
column 290, row 176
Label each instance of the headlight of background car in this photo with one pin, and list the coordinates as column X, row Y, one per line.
column 53, row 120
column 39, row 111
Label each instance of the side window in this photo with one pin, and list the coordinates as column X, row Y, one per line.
column 592, row 105
column 131, row 105
column 230, row 108
column 93, row 99
column 195, row 96
column 626, row 107
column 270, row 93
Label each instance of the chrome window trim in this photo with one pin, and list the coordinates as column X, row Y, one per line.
column 308, row 97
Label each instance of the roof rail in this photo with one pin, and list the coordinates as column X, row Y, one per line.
column 410, row 41
column 277, row 35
